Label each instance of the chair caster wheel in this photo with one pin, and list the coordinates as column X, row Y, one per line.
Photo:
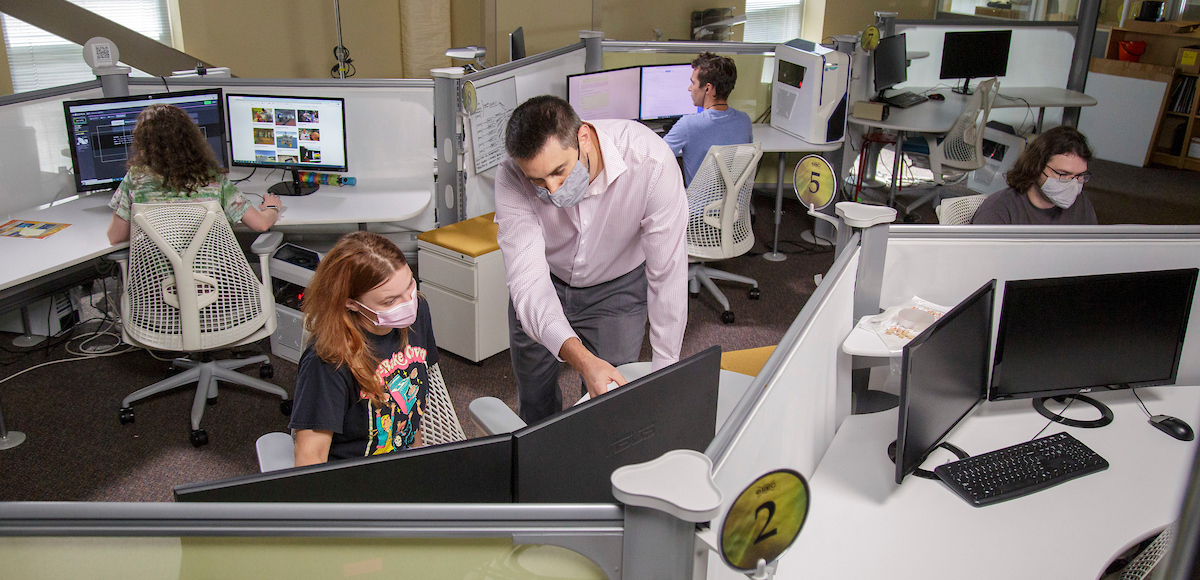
column 126, row 415
column 266, row 372
column 727, row 317
column 211, row 401
column 285, row 407
column 912, row 218
column 199, row 437
column 755, row 294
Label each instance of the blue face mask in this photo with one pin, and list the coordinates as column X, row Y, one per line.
column 570, row 193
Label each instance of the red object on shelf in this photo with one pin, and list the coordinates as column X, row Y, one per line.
column 867, row 140
column 1131, row 50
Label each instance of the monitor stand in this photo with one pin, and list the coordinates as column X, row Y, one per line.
column 1106, row 414
column 965, row 89
column 923, row 474
column 293, row 187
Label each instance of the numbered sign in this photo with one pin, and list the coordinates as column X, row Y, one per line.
column 764, row 520
column 870, row 38
column 470, row 101
column 815, row 182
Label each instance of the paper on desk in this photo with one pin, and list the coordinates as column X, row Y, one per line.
column 30, row 229
column 893, row 335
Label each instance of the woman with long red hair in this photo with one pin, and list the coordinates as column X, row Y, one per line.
column 364, row 378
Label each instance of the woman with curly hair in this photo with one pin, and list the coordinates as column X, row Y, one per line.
column 172, row 162
column 363, row 381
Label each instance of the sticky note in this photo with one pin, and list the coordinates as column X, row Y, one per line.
column 1188, row 58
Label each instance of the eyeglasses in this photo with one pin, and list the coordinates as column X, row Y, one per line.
column 1065, row 177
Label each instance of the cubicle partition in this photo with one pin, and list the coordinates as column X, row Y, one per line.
column 1039, row 56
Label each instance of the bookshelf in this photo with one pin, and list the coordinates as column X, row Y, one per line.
column 1178, row 124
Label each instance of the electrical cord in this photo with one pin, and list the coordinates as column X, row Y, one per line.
column 1056, row 416
column 164, row 81
column 1139, row 400
column 246, row 177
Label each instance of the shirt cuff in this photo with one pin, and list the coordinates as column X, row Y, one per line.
column 555, row 336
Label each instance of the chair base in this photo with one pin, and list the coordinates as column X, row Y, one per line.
column 699, row 274
column 205, row 375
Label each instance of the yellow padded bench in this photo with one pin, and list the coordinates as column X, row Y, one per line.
column 474, row 237
column 748, row 361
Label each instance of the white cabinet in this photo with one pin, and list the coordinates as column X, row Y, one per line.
column 468, row 299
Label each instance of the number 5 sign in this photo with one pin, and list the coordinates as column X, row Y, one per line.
column 764, row 520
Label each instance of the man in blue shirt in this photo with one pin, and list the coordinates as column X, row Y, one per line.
column 713, row 78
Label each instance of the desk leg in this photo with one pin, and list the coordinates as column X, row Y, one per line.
column 1041, row 117
column 9, row 439
column 896, row 168
column 29, row 338
column 362, row 227
column 774, row 254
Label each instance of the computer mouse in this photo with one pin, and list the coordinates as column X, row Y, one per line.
column 1173, row 426
column 937, row 97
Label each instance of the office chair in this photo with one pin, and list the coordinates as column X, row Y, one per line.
column 439, row 425
column 957, row 152
column 188, row 288
column 959, row 210
column 719, row 217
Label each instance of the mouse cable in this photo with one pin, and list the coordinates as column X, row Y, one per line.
column 1139, row 400
column 1056, row 416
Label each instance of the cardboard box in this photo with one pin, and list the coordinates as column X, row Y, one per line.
column 1188, row 60
column 997, row 12
column 870, row 111
column 1168, row 27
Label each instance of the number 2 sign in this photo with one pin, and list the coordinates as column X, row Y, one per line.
column 764, row 520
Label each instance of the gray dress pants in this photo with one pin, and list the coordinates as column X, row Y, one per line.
column 610, row 320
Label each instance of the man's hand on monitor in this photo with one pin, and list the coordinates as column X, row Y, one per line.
column 596, row 372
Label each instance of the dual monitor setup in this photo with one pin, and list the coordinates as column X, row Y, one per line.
column 646, row 93
column 1056, row 338
column 273, row 132
column 565, row 458
column 965, row 55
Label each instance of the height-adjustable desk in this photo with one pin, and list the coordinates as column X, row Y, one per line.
column 775, row 141
column 937, row 117
column 863, row 525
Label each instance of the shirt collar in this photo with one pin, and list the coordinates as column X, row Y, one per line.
column 614, row 162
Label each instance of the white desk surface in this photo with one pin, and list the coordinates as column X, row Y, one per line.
column 370, row 201
column 939, row 116
column 863, row 525
column 864, row 342
column 773, row 141
column 23, row 259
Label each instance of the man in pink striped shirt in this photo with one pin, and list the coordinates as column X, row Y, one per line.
column 592, row 222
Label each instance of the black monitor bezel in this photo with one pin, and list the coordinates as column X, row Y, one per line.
column 289, row 166
column 641, row 83
column 904, row 61
column 224, row 155
column 949, row 36
column 608, row 70
column 997, row 358
column 903, row 470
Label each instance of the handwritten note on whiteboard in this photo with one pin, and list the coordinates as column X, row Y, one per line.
column 495, row 103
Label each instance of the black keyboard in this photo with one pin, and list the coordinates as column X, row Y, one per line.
column 905, row 100
column 1020, row 470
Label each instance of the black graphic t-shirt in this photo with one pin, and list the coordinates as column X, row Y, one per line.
column 329, row 399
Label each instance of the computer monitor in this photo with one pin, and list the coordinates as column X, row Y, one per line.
column 665, row 93
column 891, row 62
column 516, row 44
column 610, row 94
column 291, row 133
column 943, row 376
column 570, row 457
column 975, row 55
column 101, row 132
column 471, row 471
column 1087, row 334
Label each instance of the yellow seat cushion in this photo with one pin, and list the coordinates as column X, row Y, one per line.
column 748, row 361
column 474, row 237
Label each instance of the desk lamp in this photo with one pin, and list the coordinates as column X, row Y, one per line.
column 467, row 53
column 707, row 31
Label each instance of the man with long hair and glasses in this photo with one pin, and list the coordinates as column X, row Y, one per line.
column 713, row 78
column 1045, row 185
column 592, row 221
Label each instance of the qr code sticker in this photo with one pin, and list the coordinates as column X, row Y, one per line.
column 102, row 53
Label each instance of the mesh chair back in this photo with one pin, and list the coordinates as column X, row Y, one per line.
column 440, row 423
column 960, row 148
column 719, row 202
column 956, row 211
column 188, row 286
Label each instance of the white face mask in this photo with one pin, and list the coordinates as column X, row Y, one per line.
column 1061, row 194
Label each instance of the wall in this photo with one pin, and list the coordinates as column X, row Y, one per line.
column 548, row 24
column 293, row 38
column 851, row 16
column 638, row 19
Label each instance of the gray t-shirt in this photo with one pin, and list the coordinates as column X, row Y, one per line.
column 1007, row 206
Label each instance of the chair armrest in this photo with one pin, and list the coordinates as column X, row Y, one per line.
column 493, row 417
column 118, row 256
column 266, row 243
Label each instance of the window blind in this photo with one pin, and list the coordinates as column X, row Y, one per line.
column 39, row 59
column 772, row 20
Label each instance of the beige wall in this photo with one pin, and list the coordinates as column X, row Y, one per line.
column 548, row 24
column 637, row 19
column 466, row 22
column 851, row 16
column 292, row 38
column 6, row 86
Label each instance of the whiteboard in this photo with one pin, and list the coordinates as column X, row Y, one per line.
column 495, row 103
